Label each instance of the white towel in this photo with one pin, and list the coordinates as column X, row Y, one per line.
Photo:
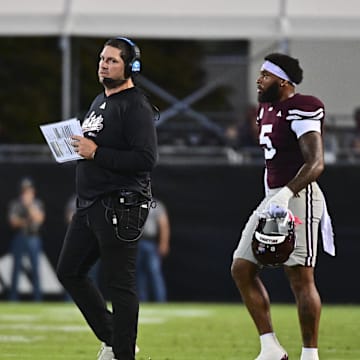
column 327, row 232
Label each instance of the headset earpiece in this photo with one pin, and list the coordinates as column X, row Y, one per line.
column 134, row 65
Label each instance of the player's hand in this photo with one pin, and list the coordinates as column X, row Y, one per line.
column 83, row 146
column 279, row 203
column 276, row 211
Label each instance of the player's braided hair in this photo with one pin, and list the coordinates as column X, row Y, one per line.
column 289, row 64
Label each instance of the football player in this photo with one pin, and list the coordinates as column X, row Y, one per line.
column 290, row 132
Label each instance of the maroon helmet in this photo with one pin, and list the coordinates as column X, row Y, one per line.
column 274, row 239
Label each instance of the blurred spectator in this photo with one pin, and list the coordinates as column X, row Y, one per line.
column 244, row 133
column 152, row 247
column 354, row 140
column 350, row 141
column 331, row 144
column 26, row 215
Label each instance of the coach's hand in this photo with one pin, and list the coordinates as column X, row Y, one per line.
column 84, row 147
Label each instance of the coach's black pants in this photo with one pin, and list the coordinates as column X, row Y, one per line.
column 89, row 236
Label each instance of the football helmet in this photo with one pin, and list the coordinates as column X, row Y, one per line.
column 274, row 239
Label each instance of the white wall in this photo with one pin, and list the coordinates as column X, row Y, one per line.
column 331, row 71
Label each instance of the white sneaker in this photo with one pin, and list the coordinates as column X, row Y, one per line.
column 105, row 353
column 275, row 354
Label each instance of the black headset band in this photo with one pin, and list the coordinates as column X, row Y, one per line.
column 134, row 65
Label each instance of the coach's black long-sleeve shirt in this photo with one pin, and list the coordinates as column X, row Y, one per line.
column 122, row 125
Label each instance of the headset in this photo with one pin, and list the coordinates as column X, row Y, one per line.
column 134, row 65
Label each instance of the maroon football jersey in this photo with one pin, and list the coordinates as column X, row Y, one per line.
column 282, row 153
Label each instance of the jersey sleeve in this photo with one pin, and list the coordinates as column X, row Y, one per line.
column 301, row 127
column 306, row 108
column 306, row 114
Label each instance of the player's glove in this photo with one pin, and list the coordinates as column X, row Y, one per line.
column 278, row 205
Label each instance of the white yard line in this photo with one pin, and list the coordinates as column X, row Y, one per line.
column 19, row 339
column 46, row 328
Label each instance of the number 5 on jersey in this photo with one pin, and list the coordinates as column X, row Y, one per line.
column 265, row 141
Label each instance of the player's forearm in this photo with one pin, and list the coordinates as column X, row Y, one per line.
column 312, row 152
column 306, row 175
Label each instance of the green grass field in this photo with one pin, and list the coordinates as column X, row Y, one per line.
column 51, row 331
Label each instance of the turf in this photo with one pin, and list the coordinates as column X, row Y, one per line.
column 171, row 331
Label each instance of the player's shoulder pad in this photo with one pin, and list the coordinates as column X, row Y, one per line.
column 305, row 107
